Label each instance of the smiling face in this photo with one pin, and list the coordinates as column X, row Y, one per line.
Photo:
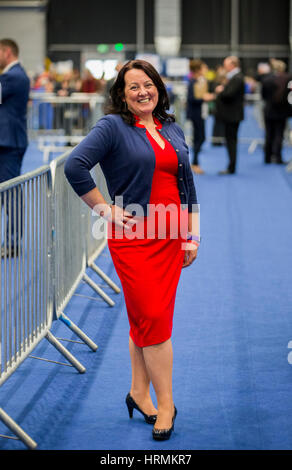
column 140, row 93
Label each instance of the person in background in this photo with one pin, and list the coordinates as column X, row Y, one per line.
column 63, row 88
column 229, row 108
column 15, row 87
column 89, row 83
column 250, row 84
column 196, row 94
column 263, row 71
column 277, row 109
column 218, row 126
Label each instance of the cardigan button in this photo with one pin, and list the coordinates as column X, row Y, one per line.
column 180, row 164
column 181, row 179
column 182, row 193
column 177, row 150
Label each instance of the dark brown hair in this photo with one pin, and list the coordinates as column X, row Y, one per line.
column 195, row 65
column 117, row 93
column 11, row 44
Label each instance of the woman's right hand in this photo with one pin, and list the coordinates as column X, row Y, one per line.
column 118, row 216
column 110, row 212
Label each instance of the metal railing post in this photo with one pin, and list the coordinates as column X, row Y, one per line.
column 17, row 430
column 95, row 246
column 26, row 290
column 68, row 246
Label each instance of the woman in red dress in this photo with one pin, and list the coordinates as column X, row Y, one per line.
column 148, row 251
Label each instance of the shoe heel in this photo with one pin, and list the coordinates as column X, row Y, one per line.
column 131, row 404
column 130, row 409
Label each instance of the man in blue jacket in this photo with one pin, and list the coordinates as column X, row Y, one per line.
column 14, row 95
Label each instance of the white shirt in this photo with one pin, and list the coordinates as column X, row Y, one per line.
column 232, row 72
column 8, row 67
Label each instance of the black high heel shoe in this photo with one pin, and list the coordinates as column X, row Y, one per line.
column 131, row 404
column 164, row 434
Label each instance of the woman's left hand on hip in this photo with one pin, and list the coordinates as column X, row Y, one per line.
column 190, row 256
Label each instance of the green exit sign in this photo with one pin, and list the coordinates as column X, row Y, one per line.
column 102, row 48
column 119, row 46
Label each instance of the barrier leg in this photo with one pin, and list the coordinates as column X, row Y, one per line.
column 253, row 146
column 78, row 331
column 289, row 167
column 17, row 430
column 98, row 290
column 75, row 363
column 105, row 277
column 46, row 154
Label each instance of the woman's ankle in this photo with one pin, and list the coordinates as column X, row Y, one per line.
column 140, row 395
column 166, row 405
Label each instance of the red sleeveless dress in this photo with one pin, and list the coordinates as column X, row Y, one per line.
column 149, row 268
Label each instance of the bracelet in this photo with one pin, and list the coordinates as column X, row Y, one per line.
column 196, row 238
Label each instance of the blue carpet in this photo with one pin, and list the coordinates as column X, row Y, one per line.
column 232, row 325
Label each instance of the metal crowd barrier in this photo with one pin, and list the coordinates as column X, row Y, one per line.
column 76, row 247
column 25, row 296
column 68, row 242
column 45, row 250
column 57, row 123
column 49, row 114
column 94, row 246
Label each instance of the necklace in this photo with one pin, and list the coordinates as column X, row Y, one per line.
column 155, row 135
column 157, row 138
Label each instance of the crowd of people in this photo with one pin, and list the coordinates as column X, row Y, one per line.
column 73, row 81
column 224, row 96
column 64, row 84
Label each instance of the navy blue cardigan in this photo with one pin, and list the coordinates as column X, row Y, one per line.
column 127, row 160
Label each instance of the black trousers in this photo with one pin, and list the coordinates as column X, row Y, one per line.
column 198, row 137
column 230, row 133
column 10, row 167
column 217, row 132
column 274, row 138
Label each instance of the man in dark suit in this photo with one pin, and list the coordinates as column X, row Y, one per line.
column 277, row 109
column 14, row 95
column 229, row 108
